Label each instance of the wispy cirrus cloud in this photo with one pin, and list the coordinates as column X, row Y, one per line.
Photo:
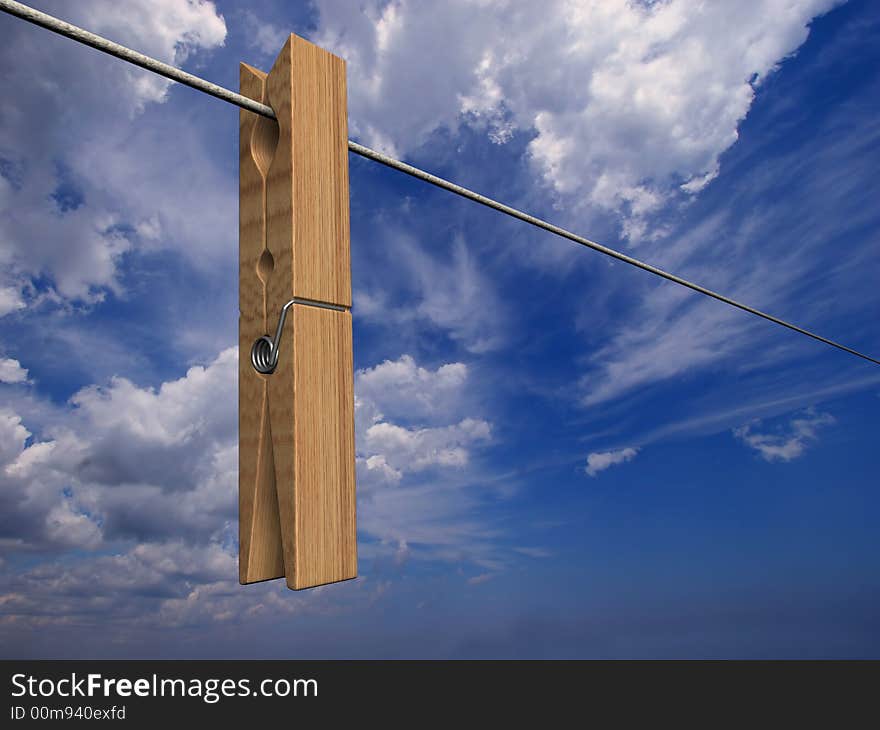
column 754, row 249
column 446, row 291
column 264, row 36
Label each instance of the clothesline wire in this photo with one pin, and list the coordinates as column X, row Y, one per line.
column 175, row 74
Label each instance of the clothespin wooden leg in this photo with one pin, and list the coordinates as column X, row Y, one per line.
column 296, row 424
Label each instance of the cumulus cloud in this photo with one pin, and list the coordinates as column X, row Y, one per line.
column 628, row 103
column 788, row 441
column 37, row 507
column 170, row 30
column 401, row 390
column 417, row 449
column 13, row 435
column 11, row 371
column 599, row 461
column 138, row 463
column 147, row 477
column 130, row 595
column 174, row 414
column 416, row 492
column 420, row 485
column 80, row 185
column 10, row 296
column 409, row 391
column 126, row 463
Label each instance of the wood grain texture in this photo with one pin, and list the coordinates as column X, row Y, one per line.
column 308, row 177
column 259, row 531
column 313, row 409
column 296, row 426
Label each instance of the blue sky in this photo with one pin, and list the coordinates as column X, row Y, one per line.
column 558, row 455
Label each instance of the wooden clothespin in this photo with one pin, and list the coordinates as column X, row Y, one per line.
column 296, row 418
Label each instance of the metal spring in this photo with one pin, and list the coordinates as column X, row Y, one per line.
column 264, row 355
column 264, row 352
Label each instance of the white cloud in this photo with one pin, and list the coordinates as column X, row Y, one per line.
column 170, row 30
column 417, row 449
column 383, row 471
column 151, row 474
column 81, row 185
column 36, row 507
column 450, row 293
column 265, row 37
column 630, row 102
column 417, row 485
column 68, row 527
column 400, row 389
column 175, row 413
column 13, row 436
column 129, row 595
column 601, row 460
column 408, row 391
column 127, row 462
column 786, row 442
column 672, row 337
column 10, row 300
column 11, row 371
column 756, row 249
column 458, row 298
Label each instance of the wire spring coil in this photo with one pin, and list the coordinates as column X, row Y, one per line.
column 264, row 351
column 264, row 355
